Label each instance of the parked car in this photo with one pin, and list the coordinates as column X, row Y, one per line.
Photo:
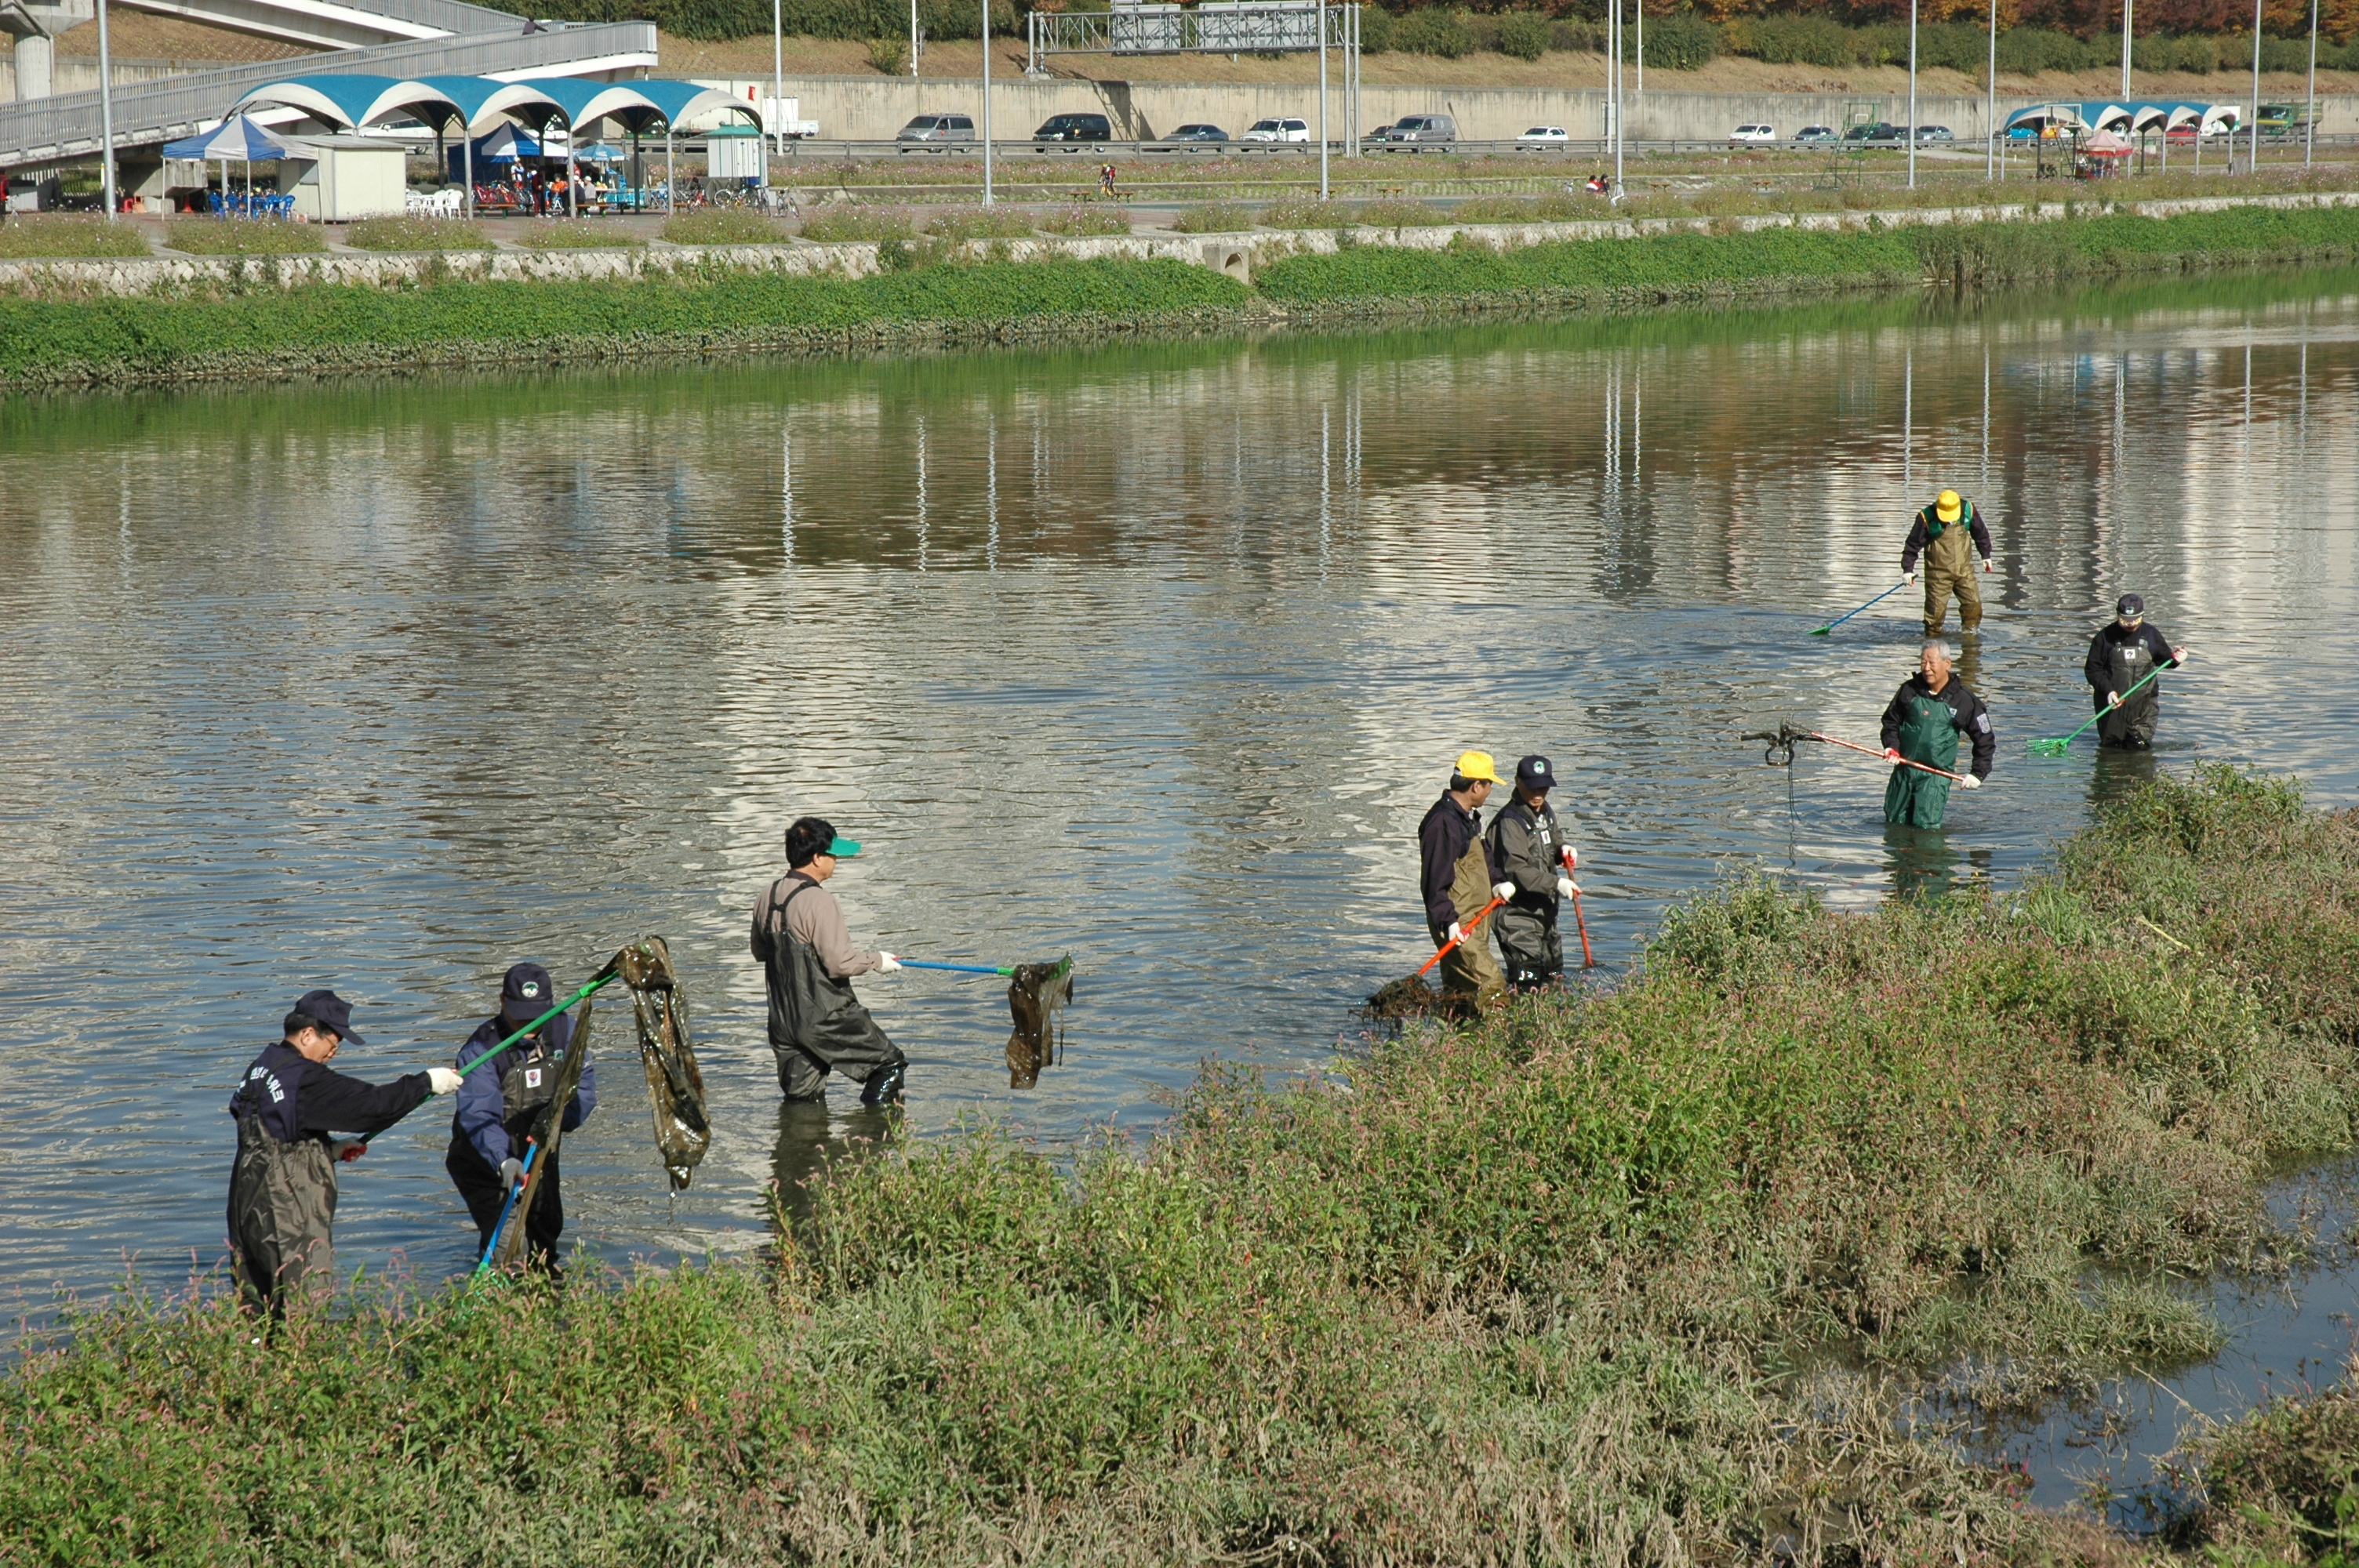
column 1376, row 135
column 1198, row 133
column 1879, row 132
column 938, row 128
column 1075, row 128
column 1934, row 134
column 1277, row 130
column 1744, row 135
column 1815, row 134
column 1423, row 128
column 2184, row 134
column 1543, row 136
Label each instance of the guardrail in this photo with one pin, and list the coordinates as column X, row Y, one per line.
column 65, row 128
column 1588, row 150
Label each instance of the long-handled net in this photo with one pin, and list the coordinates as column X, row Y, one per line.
column 1036, row 995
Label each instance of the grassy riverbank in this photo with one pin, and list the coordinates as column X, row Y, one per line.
column 256, row 326
column 1534, row 1290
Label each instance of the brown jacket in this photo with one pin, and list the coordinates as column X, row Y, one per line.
column 816, row 921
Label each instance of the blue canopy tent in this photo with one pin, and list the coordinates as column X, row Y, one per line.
column 638, row 105
column 236, row 138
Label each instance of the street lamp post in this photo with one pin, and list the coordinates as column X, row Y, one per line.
column 1913, row 94
column 2254, row 143
column 985, row 5
column 1990, row 111
column 106, row 111
column 2310, row 110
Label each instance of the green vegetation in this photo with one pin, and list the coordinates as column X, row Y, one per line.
column 1306, row 212
column 1214, row 217
column 1531, row 1289
column 417, row 234
column 849, row 221
column 980, row 223
column 1550, row 208
column 1080, row 220
column 724, row 226
column 241, row 237
column 323, row 326
column 1399, row 214
column 574, row 234
column 2281, row 1485
column 69, row 237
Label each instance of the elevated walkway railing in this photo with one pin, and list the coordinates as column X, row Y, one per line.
column 340, row 24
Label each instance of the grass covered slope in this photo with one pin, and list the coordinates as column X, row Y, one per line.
column 1516, row 1291
column 453, row 322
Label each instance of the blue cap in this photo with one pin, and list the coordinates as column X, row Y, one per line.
column 526, row 993
column 1533, row 773
column 333, row 1013
column 2130, row 604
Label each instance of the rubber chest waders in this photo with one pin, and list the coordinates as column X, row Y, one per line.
column 1522, row 839
column 1949, row 567
column 816, row 1022
column 282, row 1187
column 2132, row 724
column 1914, row 798
column 1469, row 966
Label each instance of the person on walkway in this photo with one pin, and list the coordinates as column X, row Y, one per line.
column 817, row 1024
column 1527, row 846
column 1929, row 713
column 499, row 1103
column 282, row 1185
column 1948, row 533
column 1457, row 879
column 2124, row 651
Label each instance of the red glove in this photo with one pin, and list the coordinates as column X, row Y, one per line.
column 348, row 1150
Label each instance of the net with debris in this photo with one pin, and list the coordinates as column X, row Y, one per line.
column 1035, row 997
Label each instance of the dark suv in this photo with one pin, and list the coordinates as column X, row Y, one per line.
column 1075, row 128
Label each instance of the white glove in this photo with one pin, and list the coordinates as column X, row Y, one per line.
column 887, row 963
column 1970, row 781
column 442, row 1080
column 1908, row 577
column 1564, row 888
column 1987, row 563
column 2112, row 699
column 1571, row 858
column 1454, row 932
column 1502, row 890
column 347, row 1150
column 511, row 1172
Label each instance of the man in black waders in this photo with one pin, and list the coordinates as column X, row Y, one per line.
column 817, row 1024
column 1457, row 879
column 498, row 1105
column 2121, row 655
column 1927, row 716
column 1948, row 533
column 1528, row 848
column 282, row 1185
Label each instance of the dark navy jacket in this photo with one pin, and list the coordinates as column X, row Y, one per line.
column 2099, row 665
column 1441, row 840
column 295, row 1098
column 479, row 1118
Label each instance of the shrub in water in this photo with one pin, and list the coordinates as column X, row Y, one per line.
column 416, row 235
column 1214, row 217
column 1524, row 34
column 46, row 236
column 1434, row 32
column 241, row 237
column 834, row 224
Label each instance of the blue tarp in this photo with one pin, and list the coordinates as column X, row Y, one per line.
column 235, row 140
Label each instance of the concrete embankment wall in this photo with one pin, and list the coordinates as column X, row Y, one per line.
column 862, row 108
column 1237, row 254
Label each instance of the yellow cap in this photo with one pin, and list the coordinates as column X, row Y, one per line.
column 1478, row 765
column 1946, row 505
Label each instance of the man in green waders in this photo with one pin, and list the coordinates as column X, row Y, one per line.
column 1948, row 533
column 1456, row 879
column 2121, row 655
column 1932, row 709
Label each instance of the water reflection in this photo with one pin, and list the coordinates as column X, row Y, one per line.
column 814, row 1139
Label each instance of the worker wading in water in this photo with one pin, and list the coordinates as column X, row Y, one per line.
column 282, row 1185
column 1457, row 879
column 1528, row 850
column 817, row 1024
column 2124, row 652
column 498, row 1105
column 1929, row 713
column 1948, row 533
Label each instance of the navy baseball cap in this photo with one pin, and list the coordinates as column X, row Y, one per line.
column 1533, row 773
column 526, row 993
column 333, row 1013
column 2131, row 604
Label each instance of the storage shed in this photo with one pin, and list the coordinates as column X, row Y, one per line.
column 335, row 178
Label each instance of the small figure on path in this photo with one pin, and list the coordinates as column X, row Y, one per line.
column 499, row 1102
column 1930, row 711
column 1529, row 849
column 817, row 1024
column 1457, row 879
column 2124, row 651
column 1948, row 533
column 1105, row 181
column 282, row 1186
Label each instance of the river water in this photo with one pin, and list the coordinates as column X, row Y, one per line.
column 1150, row 653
